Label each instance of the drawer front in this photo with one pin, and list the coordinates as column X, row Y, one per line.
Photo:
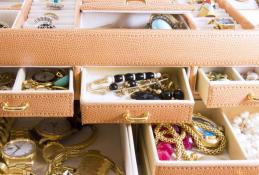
column 37, row 104
column 134, row 113
column 232, row 95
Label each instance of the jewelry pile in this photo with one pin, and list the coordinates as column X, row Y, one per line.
column 6, row 81
column 245, row 127
column 214, row 76
column 184, row 141
column 44, row 144
column 47, row 79
column 138, row 86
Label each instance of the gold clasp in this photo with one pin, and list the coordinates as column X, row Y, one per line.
column 7, row 108
column 141, row 118
column 252, row 97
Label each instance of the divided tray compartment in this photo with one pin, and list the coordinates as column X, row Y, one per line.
column 110, row 108
column 68, row 16
column 223, row 10
column 245, row 5
column 123, row 154
column 236, row 164
column 9, row 17
column 39, row 103
column 230, row 114
column 122, row 20
column 216, row 94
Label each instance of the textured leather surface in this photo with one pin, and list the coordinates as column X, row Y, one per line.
column 41, row 104
column 159, row 113
column 231, row 95
column 209, row 170
column 128, row 47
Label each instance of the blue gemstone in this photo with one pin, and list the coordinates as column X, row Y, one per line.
column 206, row 133
column 160, row 24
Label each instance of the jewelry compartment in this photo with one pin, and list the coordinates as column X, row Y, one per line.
column 245, row 4
column 236, row 92
column 251, row 16
column 41, row 102
column 103, row 141
column 231, row 162
column 243, row 122
column 52, row 15
column 110, row 108
column 126, row 20
column 8, row 18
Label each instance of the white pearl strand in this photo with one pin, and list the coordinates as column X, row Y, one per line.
column 246, row 128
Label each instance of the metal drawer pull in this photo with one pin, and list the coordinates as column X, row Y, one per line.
column 127, row 1
column 141, row 118
column 6, row 107
column 252, row 97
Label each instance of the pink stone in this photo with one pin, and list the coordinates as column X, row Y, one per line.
column 163, row 155
column 188, row 142
column 163, row 146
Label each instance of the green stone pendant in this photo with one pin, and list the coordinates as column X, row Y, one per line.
column 63, row 82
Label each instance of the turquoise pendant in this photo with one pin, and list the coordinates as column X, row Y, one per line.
column 160, row 24
column 63, row 82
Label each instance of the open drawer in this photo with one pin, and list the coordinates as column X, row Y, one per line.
column 105, row 136
column 113, row 108
column 236, row 92
column 18, row 101
column 232, row 161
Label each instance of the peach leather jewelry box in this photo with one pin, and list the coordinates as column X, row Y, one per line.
column 30, row 103
column 233, row 93
column 232, row 162
column 109, row 108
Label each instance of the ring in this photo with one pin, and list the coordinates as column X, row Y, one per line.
column 45, row 19
column 55, row 5
column 52, row 15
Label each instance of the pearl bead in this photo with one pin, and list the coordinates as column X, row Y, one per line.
column 248, row 136
column 252, row 76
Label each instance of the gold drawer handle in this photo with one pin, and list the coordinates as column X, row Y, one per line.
column 127, row 1
column 252, row 97
column 141, row 118
column 8, row 108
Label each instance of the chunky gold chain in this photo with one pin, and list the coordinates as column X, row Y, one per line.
column 162, row 131
column 197, row 139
